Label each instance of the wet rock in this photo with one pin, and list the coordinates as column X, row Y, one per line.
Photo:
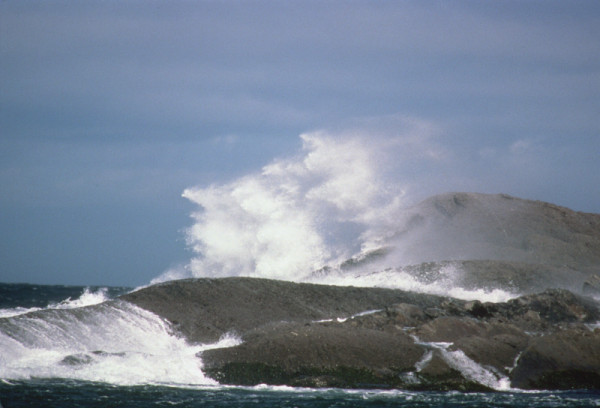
column 204, row 309
column 404, row 314
column 494, row 348
column 592, row 285
column 449, row 329
column 315, row 355
column 439, row 376
column 568, row 359
column 292, row 335
column 541, row 311
column 78, row 359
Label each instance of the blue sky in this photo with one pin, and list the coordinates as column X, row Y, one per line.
column 110, row 110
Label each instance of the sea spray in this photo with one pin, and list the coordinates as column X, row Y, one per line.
column 399, row 278
column 87, row 298
column 338, row 197
column 302, row 218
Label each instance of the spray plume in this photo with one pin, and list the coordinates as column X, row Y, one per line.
column 337, row 198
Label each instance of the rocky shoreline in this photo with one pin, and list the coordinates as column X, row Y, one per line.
column 311, row 335
column 317, row 335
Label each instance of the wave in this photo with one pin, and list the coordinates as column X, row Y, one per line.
column 87, row 298
column 114, row 342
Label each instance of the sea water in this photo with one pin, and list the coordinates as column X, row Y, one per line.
column 63, row 346
column 69, row 393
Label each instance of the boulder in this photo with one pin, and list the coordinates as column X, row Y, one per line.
column 568, row 359
column 324, row 355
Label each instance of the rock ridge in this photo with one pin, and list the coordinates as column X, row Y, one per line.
column 315, row 335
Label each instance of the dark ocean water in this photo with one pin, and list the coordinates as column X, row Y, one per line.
column 67, row 346
column 67, row 394
column 14, row 295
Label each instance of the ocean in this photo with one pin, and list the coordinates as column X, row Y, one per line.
column 73, row 346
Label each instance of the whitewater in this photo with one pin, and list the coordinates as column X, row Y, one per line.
column 93, row 338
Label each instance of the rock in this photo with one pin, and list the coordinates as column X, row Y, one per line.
column 449, row 329
column 437, row 375
column 470, row 226
column 291, row 335
column 567, row 359
column 484, row 241
column 317, row 355
column 404, row 314
column 539, row 311
column 205, row 309
column 592, row 285
column 497, row 347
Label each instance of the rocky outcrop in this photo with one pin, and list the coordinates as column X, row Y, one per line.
column 205, row 309
column 563, row 359
column 316, row 335
column 468, row 226
column 510, row 276
column 495, row 241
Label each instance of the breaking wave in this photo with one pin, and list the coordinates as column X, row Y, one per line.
column 87, row 298
column 113, row 342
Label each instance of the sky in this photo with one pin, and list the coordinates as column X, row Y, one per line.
column 111, row 110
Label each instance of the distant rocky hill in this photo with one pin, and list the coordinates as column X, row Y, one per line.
column 497, row 241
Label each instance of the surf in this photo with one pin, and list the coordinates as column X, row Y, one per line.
column 112, row 341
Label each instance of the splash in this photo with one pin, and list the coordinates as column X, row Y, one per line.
column 288, row 220
column 115, row 342
column 87, row 298
column 336, row 198
column 301, row 218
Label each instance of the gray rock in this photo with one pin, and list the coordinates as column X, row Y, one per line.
column 205, row 309
column 539, row 340
column 492, row 242
column 316, row 355
column 568, row 359
column 470, row 226
column 591, row 286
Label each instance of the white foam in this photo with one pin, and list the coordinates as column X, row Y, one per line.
column 390, row 278
column 343, row 319
column 470, row 369
column 115, row 342
column 298, row 214
column 87, row 298
column 15, row 311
